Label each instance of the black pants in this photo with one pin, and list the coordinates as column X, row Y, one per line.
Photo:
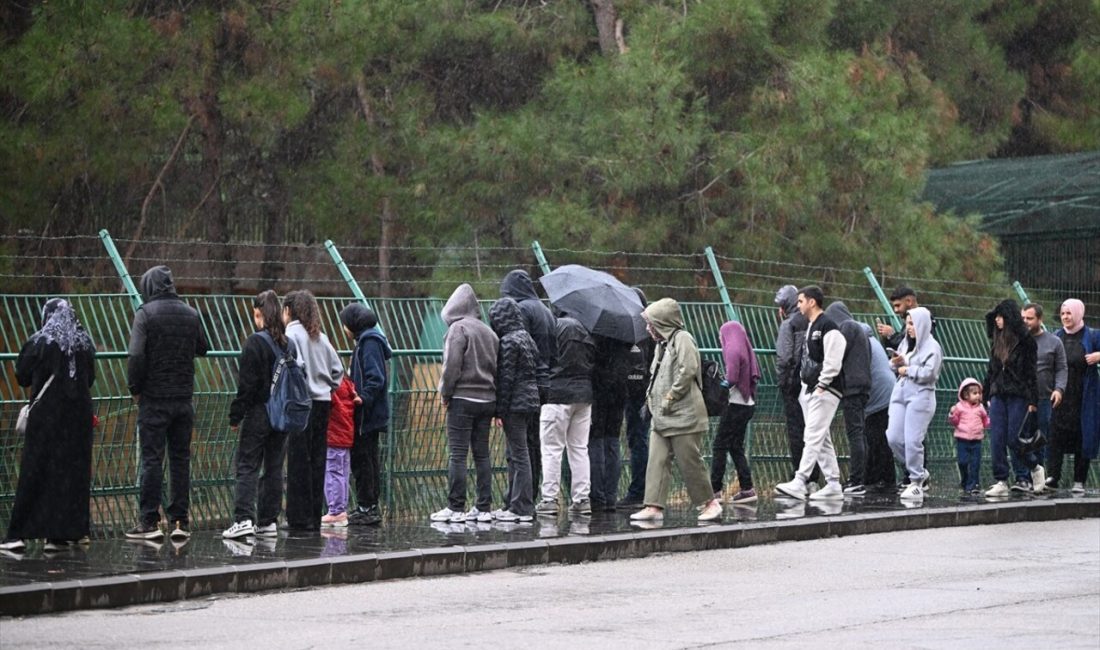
column 853, row 406
column 796, row 426
column 637, row 441
column 880, row 460
column 730, row 441
column 605, row 450
column 520, row 497
column 366, row 467
column 305, row 470
column 1063, row 443
column 165, row 424
column 259, row 446
column 468, row 428
column 534, row 441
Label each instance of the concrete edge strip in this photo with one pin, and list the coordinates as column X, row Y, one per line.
column 166, row 586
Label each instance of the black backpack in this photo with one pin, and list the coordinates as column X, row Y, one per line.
column 715, row 395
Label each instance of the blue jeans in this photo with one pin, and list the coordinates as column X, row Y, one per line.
column 637, row 440
column 1044, row 426
column 1006, row 414
column 970, row 462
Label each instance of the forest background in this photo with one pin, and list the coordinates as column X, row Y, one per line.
column 411, row 131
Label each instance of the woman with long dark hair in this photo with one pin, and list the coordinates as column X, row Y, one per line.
column 259, row 445
column 1012, row 387
column 307, row 451
column 55, row 475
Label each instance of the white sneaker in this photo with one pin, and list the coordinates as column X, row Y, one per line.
column 1078, row 488
column 1038, row 479
column 795, row 488
column 482, row 517
column 472, row 514
column 648, row 513
column 998, row 489
column 832, row 490
column 712, row 511
column 912, row 493
column 239, row 529
column 447, row 514
column 270, row 530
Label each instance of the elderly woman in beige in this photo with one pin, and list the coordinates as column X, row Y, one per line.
column 675, row 400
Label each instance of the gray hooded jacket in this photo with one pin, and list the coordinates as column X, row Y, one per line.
column 469, row 350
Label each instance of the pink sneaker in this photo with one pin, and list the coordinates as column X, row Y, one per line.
column 335, row 521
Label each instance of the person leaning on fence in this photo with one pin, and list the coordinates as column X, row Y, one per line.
column 517, row 405
column 467, row 389
column 637, row 419
column 913, row 401
column 1011, row 387
column 742, row 376
column 1076, row 423
column 788, row 360
column 307, row 451
column 166, row 337
column 675, row 401
column 857, row 391
column 53, row 494
column 259, row 445
column 566, row 417
column 1050, row 367
column 880, row 474
column 539, row 323
column 822, row 378
column 369, row 363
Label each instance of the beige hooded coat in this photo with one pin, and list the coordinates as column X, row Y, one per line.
column 675, row 398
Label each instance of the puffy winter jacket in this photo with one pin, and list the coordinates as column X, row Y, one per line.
column 517, row 360
column 571, row 374
column 537, row 319
column 1018, row 375
column 788, row 352
column 166, row 337
column 341, row 419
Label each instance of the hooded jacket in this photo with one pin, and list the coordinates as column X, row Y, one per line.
column 970, row 420
column 857, row 351
column 369, row 366
column 611, row 369
column 1017, row 376
column 675, row 396
column 788, row 345
column 166, row 337
column 469, row 350
column 882, row 376
column 571, row 374
column 923, row 364
column 537, row 319
column 517, row 360
column 742, row 368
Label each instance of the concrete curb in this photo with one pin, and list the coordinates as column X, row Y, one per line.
column 167, row 586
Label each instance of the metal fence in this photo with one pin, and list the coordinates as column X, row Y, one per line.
column 415, row 449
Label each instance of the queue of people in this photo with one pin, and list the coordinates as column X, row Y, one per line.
column 555, row 390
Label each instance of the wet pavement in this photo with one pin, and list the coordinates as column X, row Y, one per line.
column 206, row 550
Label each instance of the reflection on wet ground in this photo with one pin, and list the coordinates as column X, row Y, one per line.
column 206, row 548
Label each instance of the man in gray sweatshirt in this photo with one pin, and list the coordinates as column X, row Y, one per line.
column 1050, row 367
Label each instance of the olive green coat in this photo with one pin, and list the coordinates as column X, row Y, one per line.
column 675, row 398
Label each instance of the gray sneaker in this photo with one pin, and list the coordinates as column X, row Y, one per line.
column 547, row 507
column 582, row 507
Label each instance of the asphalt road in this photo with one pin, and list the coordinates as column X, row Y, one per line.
column 1029, row 585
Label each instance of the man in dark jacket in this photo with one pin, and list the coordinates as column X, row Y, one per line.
column 857, row 390
column 539, row 323
column 609, row 385
column 372, row 417
column 565, row 419
column 788, row 360
column 166, row 337
column 901, row 301
column 637, row 420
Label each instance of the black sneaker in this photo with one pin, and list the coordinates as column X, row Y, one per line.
column 53, row 545
column 852, row 489
column 581, row 507
column 368, row 517
column 1021, row 486
column 145, row 531
column 181, row 531
column 629, row 503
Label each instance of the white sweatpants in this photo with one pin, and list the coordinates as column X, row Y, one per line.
column 565, row 427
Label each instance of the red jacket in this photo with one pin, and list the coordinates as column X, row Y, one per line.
column 341, row 420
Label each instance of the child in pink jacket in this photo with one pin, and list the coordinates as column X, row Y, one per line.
column 970, row 420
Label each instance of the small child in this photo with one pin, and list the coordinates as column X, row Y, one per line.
column 341, row 435
column 970, row 421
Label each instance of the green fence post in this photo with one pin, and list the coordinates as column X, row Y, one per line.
column 120, row 268
column 544, row 266
column 731, row 311
column 345, row 272
column 882, row 298
column 1021, row 293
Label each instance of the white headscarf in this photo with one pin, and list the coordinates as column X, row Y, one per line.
column 61, row 328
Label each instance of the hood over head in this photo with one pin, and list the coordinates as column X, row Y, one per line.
column 518, row 286
column 787, row 299
column 922, row 326
column 742, row 369
column 157, row 282
column 969, row 381
column 358, row 317
column 838, row 312
column 665, row 317
column 461, row 304
column 1014, row 322
column 505, row 317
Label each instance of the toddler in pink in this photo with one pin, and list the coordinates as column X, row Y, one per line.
column 970, row 420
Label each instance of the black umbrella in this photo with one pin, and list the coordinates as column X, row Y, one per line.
column 598, row 300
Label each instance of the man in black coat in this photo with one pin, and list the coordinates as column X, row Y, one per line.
column 166, row 337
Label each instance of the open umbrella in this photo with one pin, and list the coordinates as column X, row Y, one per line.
column 601, row 303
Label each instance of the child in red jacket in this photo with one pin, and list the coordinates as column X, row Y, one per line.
column 341, row 435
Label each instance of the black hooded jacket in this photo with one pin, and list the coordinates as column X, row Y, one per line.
column 537, row 319
column 164, row 341
column 571, row 375
column 612, row 367
column 857, row 352
column 1017, row 376
column 517, row 359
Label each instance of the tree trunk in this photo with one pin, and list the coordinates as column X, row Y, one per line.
column 378, row 168
column 609, row 27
